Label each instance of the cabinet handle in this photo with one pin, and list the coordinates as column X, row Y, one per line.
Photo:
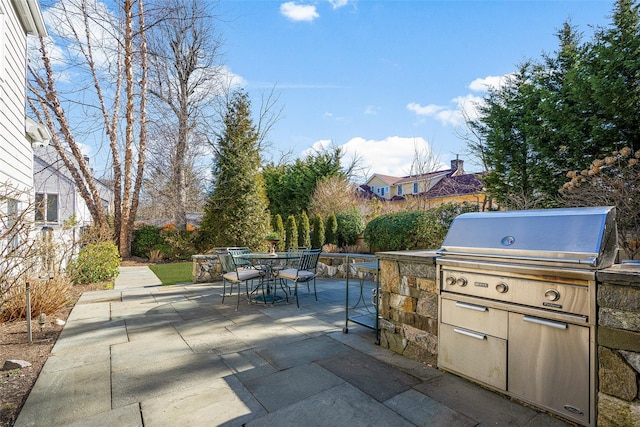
column 470, row 306
column 545, row 322
column 470, row 333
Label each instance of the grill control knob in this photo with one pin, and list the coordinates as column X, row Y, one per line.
column 451, row 280
column 461, row 281
column 502, row 287
column 552, row 295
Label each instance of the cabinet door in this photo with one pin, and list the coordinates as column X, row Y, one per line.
column 473, row 354
column 549, row 364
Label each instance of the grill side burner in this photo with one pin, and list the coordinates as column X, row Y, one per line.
column 521, row 317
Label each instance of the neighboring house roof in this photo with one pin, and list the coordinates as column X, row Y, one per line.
column 444, row 183
column 453, row 185
column 49, row 159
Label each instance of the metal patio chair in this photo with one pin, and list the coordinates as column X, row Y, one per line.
column 236, row 275
column 304, row 272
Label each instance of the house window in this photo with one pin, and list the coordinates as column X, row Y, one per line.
column 12, row 217
column 415, row 188
column 46, row 207
column 399, row 190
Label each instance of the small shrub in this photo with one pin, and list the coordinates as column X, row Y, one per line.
column 96, row 262
column 350, row 226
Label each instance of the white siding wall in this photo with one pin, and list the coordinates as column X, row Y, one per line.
column 16, row 156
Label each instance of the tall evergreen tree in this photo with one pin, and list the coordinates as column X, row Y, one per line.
column 565, row 142
column 236, row 211
column 510, row 125
column 290, row 187
column 613, row 66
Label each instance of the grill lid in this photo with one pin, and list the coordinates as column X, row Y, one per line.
column 584, row 237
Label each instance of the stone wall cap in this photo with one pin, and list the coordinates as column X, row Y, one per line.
column 419, row 255
column 623, row 274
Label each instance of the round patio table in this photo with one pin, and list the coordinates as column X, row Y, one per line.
column 269, row 261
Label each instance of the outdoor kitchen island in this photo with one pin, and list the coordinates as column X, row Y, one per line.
column 598, row 370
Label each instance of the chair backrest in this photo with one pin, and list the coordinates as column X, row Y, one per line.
column 235, row 251
column 226, row 261
column 295, row 261
column 309, row 260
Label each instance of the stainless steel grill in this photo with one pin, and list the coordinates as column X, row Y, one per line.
column 517, row 306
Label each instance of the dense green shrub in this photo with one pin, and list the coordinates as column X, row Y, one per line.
column 317, row 239
column 178, row 245
column 162, row 243
column 413, row 229
column 146, row 239
column 350, row 226
column 331, row 230
column 96, row 262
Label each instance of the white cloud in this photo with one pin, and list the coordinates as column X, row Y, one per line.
column 489, row 82
column 372, row 110
column 337, row 4
column 390, row 156
column 299, row 12
column 461, row 107
column 427, row 110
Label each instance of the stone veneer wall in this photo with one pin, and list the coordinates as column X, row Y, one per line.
column 409, row 326
column 618, row 339
column 409, row 304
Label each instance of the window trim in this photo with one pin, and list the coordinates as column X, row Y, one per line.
column 46, row 211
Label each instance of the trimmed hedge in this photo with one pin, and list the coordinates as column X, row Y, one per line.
column 409, row 230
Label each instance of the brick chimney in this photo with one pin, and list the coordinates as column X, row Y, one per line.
column 457, row 167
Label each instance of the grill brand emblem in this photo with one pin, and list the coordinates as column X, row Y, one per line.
column 508, row 240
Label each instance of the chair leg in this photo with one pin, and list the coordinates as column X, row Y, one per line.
column 296, row 292
column 238, row 302
column 224, row 289
column 314, row 289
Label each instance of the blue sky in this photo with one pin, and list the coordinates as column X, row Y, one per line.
column 384, row 78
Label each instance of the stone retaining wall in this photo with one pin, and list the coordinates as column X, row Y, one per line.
column 618, row 301
column 206, row 267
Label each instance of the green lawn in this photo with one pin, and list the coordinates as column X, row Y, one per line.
column 170, row 274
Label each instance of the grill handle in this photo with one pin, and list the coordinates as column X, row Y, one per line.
column 471, row 306
column 545, row 322
column 470, row 333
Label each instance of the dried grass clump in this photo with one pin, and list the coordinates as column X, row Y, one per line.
column 47, row 296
